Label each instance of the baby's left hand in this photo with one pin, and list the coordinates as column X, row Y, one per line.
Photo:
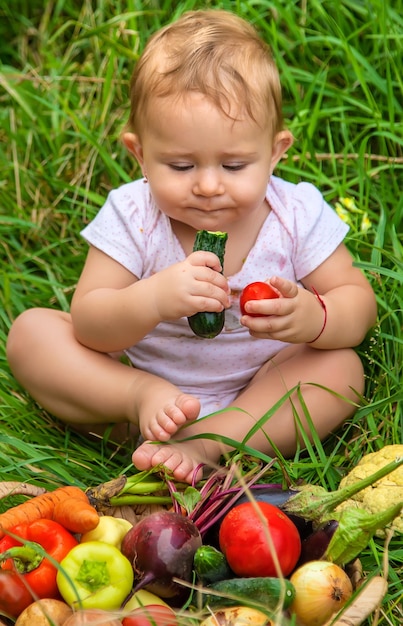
column 294, row 317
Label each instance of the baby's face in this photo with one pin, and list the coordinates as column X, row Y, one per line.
column 205, row 169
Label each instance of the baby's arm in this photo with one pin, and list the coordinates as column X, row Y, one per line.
column 298, row 316
column 349, row 299
column 112, row 309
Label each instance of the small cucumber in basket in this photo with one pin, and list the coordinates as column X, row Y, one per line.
column 266, row 591
column 209, row 324
column 210, row 565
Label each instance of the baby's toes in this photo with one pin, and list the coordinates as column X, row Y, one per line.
column 143, row 455
column 189, row 406
column 156, row 431
column 171, row 418
column 181, row 465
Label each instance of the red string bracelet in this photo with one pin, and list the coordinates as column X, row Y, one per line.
column 323, row 305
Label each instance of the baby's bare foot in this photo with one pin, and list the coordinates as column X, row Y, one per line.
column 161, row 415
column 182, row 459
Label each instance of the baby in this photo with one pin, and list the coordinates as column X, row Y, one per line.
column 207, row 131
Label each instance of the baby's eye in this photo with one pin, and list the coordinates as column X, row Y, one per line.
column 180, row 168
column 234, row 167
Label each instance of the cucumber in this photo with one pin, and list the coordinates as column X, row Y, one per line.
column 265, row 591
column 205, row 324
column 210, row 565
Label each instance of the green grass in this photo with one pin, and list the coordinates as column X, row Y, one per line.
column 65, row 67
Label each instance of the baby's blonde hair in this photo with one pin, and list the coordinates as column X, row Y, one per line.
column 215, row 53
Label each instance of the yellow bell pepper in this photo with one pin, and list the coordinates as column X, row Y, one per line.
column 109, row 530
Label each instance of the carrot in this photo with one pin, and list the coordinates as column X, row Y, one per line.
column 76, row 515
column 39, row 507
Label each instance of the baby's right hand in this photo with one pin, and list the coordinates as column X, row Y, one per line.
column 191, row 286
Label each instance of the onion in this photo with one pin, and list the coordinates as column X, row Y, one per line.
column 237, row 616
column 321, row 589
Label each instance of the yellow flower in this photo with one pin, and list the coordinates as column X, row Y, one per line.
column 342, row 213
column 345, row 206
column 349, row 204
column 365, row 223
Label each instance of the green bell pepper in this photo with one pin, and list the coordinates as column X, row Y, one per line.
column 95, row 575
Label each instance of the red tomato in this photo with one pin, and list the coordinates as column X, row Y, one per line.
column 14, row 595
column 151, row 615
column 243, row 538
column 256, row 291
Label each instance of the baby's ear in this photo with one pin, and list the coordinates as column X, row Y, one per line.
column 282, row 142
column 133, row 145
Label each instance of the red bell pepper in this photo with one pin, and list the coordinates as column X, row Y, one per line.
column 40, row 539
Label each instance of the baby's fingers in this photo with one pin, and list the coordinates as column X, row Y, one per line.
column 205, row 259
column 287, row 288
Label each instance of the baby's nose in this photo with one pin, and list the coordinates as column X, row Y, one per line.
column 208, row 183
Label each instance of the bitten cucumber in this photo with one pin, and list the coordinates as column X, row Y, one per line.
column 267, row 591
column 209, row 324
column 210, row 565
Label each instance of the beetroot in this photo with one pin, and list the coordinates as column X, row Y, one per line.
column 160, row 548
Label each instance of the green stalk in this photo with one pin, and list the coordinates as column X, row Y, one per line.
column 148, row 478
column 133, row 499
column 25, row 558
column 355, row 529
column 144, row 488
column 314, row 503
column 149, row 481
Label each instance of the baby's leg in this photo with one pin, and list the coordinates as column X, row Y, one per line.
column 316, row 372
column 84, row 387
